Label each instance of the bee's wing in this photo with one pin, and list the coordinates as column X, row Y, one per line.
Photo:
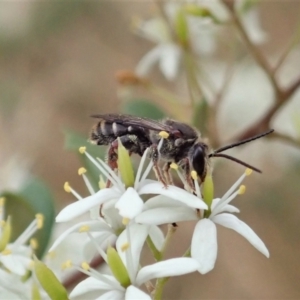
column 135, row 121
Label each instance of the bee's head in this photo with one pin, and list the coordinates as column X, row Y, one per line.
column 198, row 157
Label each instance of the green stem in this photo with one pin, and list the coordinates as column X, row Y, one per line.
column 160, row 283
column 157, row 254
column 171, row 231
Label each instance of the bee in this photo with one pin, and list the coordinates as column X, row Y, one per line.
column 183, row 145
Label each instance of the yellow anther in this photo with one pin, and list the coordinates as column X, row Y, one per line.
column 242, row 189
column 67, row 264
column 174, row 166
column 2, row 201
column 84, row 228
column 6, row 252
column 124, row 247
column 81, row 171
column 67, row 187
column 125, row 221
column 194, row 175
column 39, row 220
column 51, row 255
column 82, row 150
column 101, row 183
column 248, row 171
column 163, row 134
column 85, row 266
column 31, row 264
column 34, row 244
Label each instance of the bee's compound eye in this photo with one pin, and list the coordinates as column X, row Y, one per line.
column 197, row 156
column 178, row 142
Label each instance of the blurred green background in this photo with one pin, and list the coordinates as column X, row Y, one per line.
column 58, row 62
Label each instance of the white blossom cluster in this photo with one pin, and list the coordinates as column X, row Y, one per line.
column 16, row 259
column 120, row 216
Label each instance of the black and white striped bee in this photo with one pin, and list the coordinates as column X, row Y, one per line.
column 183, row 145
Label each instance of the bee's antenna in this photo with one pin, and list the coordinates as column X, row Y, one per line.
column 236, row 160
column 241, row 143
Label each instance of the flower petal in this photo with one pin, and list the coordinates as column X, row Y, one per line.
column 134, row 293
column 204, row 246
column 134, row 235
column 80, row 207
column 91, row 284
column 169, row 60
column 147, row 62
column 170, row 267
column 173, row 192
column 157, row 237
column 165, row 215
column 232, row 222
column 116, row 295
column 93, row 226
column 17, row 264
column 130, row 204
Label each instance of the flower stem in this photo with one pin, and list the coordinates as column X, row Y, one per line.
column 160, row 283
column 171, row 231
column 157, row 254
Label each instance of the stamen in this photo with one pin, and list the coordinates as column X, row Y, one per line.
column 194, row 175
column 174, row 166
column 101, row 183
column 82, row 150
column 125, row 221
column 164, row 134
column 67, row 187
column 67, row 265
column 242, row 189
column 88, row 184
column 81, row 171
column 6, row 252
column 97, row 246
column 140, row 168
column 85, row 266
column 51, row 255
column 84, row 228
column 125, row 246
column 34, row 244
column 39, row 220
column 248, row 171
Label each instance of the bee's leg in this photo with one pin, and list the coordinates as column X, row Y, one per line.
column 185, row 164
column 155, row 156
column 167, row 173
column 112, row 157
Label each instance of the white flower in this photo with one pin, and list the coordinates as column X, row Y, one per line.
column 129, row 246
column 127, row 201
column 251, row 22
column 204, row 241
column 17, row 256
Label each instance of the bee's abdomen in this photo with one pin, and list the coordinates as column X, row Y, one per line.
column 104, row 133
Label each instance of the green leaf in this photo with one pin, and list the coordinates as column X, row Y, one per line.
column 143, row 108
column 49, row 282
column 22, row 207
column 40, row 198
